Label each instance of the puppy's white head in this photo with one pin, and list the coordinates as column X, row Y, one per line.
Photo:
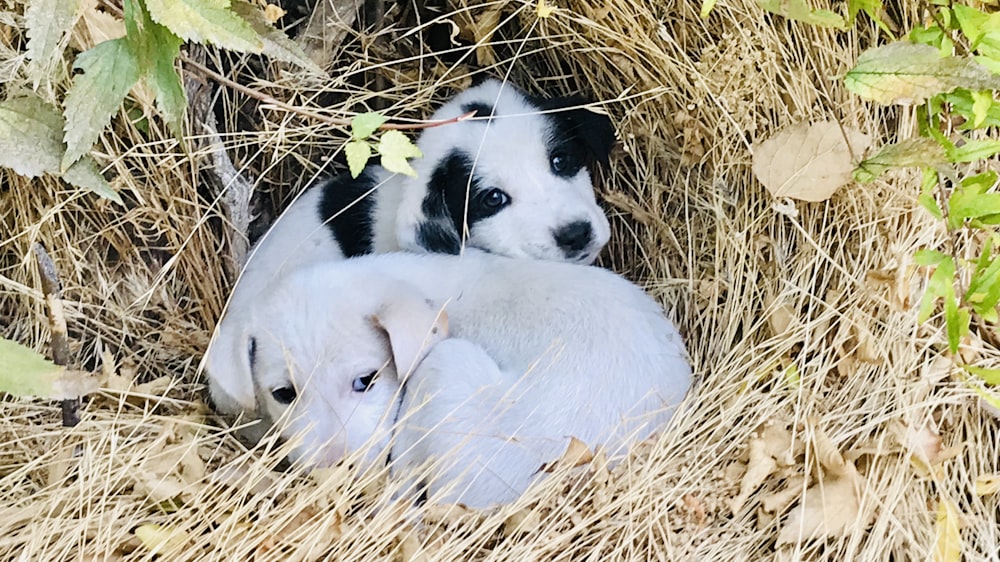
column 516, row 180
column 323, row 358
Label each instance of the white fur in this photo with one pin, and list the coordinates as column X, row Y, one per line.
column 541, row 351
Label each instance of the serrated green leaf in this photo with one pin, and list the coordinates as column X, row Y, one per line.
column 31, row 145
column 156, row 48
column 798, row 10
column 110, row 69
column 395, row 149
column 915, row 152
column 30, row 136
column 989, row 376
column 363, row 125
column 358, row 153
column 966, row 204
column 277, row 45
column 86, row 174
column 940, row 285
column 206, row 21
column 905, row 73
column 48, row 22
column 974, row 150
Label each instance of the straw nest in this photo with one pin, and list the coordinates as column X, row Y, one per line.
column 825, row 424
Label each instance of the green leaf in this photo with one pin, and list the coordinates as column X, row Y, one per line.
column 110, row 69
column 905, row 73
column 48, row 22
column 358, row 153
column 31, row 145
column 706, row 7
column 202, row 21
column 989, row 376
column 85, row 173
column 926, row 197
column 941, row 284
column 277, row 45
column 872, row 8
column 364, row 124
column 970, row 21
column 982, row 101
column 970, row 201
column 974, row 150
column 933, row 36
column 798, row 10
column 929, row 258
column 395, row 149
column 965, row 104
column 915, row 152
column 26, row 373
column 957, row 320
column 156, row 48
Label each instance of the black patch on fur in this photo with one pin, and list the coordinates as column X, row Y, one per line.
column 444, row 206
column 481, row 109
column 346, row 208
column 578, row 137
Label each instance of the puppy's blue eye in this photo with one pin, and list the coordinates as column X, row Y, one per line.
column 362, row 384
column 284, row 394
column 495, row 198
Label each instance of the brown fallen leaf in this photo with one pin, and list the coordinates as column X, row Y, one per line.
column 162, row 539
column 521, row 521
column 577, row 454
column 808, row 162
column 759, row 466
column 830, row 508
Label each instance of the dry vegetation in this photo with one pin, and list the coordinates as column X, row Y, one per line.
column 815, row 379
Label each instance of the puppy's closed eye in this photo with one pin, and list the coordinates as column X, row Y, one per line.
column 361, row 384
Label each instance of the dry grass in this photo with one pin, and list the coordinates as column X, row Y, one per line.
column 758, row 288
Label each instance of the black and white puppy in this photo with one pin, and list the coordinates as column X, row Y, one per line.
column 515, row 181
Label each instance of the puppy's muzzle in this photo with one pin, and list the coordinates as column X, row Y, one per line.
column 574, row 237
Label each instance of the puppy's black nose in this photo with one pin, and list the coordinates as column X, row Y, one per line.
column 574, row 237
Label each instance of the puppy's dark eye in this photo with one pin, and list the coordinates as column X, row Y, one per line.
column 564, row 164
column 362, row 384
column 495, row 198
column 284, row 394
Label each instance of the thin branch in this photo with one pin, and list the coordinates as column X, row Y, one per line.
column 335, row 121
column 52, row 289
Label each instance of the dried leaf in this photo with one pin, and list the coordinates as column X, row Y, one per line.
column 522, row 521
column 95, row 26
column 987, row 484
column 162, row 539
column 948, row 537
column 277, row 45
column 808, row 162
column 577, row 454
column 831, row 508
column 760, row 465
column 158, row 489
column 780, row 500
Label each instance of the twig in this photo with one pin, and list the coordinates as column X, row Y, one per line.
column 52, row 289
column 335, row 121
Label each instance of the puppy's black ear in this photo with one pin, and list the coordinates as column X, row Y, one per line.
column 593, row 131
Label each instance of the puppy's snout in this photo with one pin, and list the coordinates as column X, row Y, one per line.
column 574, row 237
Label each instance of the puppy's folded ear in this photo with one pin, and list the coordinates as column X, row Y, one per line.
column 413, row 325
column 592, row 130
column 228, row 363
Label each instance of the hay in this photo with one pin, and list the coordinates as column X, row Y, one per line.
column 800, row 319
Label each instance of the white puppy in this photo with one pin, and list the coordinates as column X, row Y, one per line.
column 547, row 350
column 515, row 181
